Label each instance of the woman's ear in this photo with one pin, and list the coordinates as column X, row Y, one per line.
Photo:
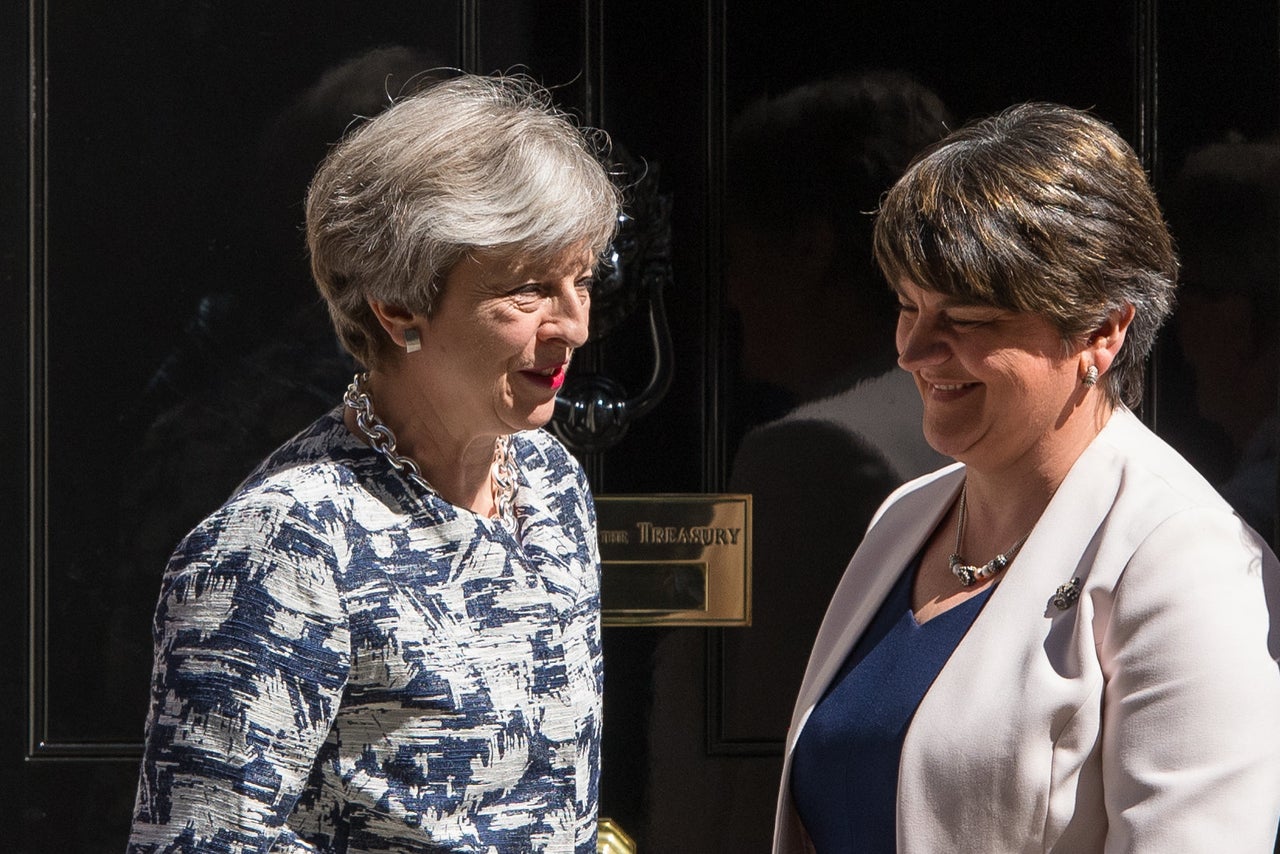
column 1104, row 342
column 400, row 324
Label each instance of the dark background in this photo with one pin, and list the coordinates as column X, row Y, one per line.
column 158, row 333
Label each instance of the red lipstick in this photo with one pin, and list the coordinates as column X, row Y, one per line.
column 552, row 381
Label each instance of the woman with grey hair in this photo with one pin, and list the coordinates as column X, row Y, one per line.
column 388, row 638
column 1067, row 640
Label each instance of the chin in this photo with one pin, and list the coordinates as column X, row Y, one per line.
column 531, row 420
column 947, row 444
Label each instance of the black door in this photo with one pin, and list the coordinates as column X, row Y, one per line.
column 160, row 335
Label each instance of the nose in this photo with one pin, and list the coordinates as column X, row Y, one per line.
column 920, row 343
column 568, row 317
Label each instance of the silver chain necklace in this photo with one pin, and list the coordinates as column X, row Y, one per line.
column 967, row 572
column 383, row 441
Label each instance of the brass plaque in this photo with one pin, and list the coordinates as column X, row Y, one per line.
column 675, row 559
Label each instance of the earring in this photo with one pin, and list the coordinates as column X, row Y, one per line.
column 1090, row 376
column 412, row 340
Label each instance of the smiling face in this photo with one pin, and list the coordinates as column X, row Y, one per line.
column 495, row 349
column 1000, row 388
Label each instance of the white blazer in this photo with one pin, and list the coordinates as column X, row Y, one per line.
column 1144, row 718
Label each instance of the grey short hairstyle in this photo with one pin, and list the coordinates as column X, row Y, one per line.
column 472, row 163
column 1041, row 209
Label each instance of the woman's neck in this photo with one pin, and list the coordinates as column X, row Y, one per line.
column 457, row 464
column 1008, row 501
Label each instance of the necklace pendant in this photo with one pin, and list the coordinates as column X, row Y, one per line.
column 967, row 572
column 963, row 571
column 970, row 574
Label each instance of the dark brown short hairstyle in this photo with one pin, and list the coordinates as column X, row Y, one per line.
column 1041, row 209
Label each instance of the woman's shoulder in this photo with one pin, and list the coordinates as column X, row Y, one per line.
column 1155, row 480
column 323, row 441
column 313, row 469
column 1152, row 511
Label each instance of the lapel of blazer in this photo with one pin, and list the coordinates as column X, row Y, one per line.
column 971, row 692
column 877, row 564
column 1052, row 555
column 1060, row 545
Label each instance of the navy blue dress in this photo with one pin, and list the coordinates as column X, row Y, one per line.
column 844, row 773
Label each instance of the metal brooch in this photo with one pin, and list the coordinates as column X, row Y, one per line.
column 1067, row 594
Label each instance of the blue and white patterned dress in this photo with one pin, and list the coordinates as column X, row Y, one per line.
column 347, row 664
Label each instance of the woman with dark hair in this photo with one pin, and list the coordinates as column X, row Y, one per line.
column 1065, row 641
column 388, row 638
